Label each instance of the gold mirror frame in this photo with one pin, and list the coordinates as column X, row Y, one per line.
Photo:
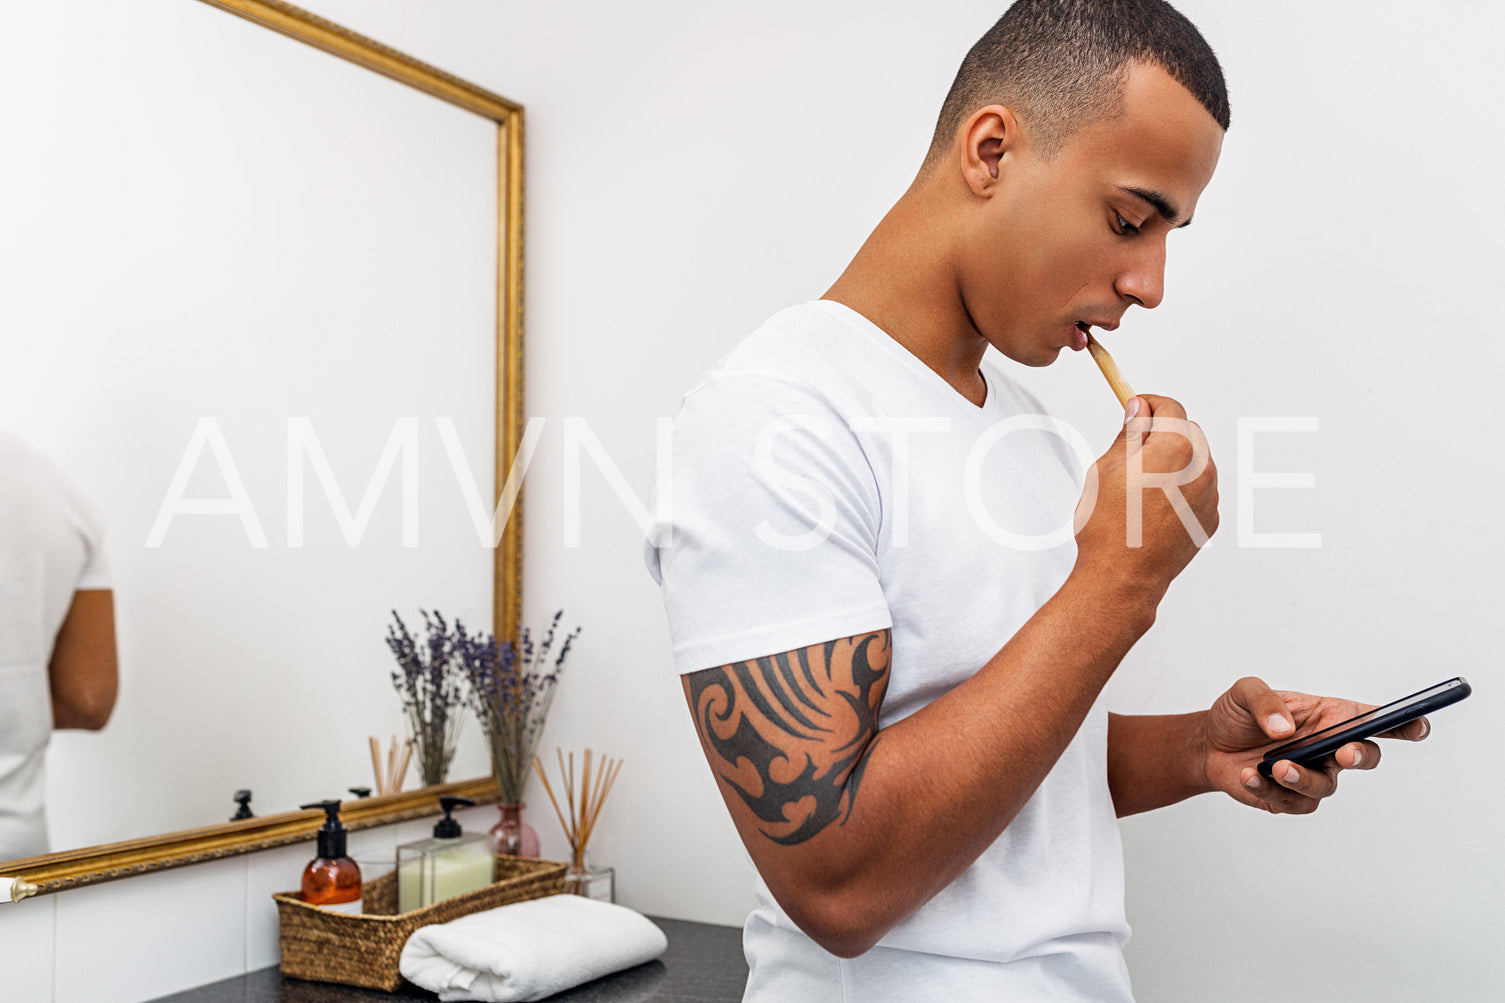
column 73, row 868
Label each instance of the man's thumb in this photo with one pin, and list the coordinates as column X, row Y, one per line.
column 1265, row 706
column 1136, row 422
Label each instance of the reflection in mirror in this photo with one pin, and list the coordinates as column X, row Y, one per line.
column 57, row 633
column 248, row 293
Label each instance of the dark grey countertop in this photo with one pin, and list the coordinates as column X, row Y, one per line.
column 703, row 964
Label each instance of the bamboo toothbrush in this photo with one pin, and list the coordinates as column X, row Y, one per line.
column 1121, row 388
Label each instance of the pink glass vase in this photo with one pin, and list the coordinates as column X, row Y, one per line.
column 513, row 836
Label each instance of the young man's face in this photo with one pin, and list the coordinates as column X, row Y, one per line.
column 1075, row 240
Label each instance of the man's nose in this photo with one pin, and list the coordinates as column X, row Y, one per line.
column 1144, row 280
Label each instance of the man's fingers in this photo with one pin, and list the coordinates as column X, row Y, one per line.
column 1136, row 425
column 1162, row 407
column 1299, row 790
column 1253, row 784
column 1277, row 797
column 1312, row 782
column 1265, row 706
column 1358, row 756
column 1149, row 413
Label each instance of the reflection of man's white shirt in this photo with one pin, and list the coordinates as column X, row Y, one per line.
column 827, row 483
column 49, row 548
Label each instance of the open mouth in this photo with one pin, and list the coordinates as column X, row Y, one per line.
column 1079, row 340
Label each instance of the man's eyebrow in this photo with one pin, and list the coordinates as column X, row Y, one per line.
column 1162, row 205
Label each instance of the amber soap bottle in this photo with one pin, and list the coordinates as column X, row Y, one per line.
column 332, row 880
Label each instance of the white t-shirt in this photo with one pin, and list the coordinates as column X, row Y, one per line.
column 49, row 549
column 828, row 483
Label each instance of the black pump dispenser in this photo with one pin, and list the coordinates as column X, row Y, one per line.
column 331, row 833
column 448, row 828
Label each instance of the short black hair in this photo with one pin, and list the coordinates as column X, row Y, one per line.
column 1061, row 65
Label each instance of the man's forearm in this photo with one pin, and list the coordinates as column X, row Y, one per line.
column 1155, row 760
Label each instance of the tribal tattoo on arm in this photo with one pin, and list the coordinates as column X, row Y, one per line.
column 790, row 733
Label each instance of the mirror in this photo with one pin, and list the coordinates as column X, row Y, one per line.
column 252, row 297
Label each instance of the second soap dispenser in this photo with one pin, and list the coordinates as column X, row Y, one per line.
column 452, row 863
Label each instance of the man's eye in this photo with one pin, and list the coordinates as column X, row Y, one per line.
column 1124, row 226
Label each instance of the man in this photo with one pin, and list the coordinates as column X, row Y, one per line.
column 891, row 642
column 57, row 633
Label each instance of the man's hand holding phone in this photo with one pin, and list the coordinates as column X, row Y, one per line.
column 1244, row 722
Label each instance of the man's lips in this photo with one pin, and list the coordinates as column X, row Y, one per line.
column 1082, row 329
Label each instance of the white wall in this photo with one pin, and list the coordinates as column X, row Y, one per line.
column 694, row 167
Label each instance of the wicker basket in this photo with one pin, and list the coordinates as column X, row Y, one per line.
column 327, row 946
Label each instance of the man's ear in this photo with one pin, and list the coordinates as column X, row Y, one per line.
column 988, row 137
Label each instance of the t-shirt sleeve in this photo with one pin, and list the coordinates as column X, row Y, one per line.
column 767, row 541
column 96, row 574
column 85, row 520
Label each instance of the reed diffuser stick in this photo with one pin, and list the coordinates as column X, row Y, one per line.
column 1121, row 388
column 403, row 759
column 609, row 778
column 568, row 779
column 391, row 764
column 538, row 768
column 585, row 786
column 376, row 761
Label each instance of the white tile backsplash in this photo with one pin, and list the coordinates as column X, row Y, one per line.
column 140, row 938
column 270, row 871
column 26, row 930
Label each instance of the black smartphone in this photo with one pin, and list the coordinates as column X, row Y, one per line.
column 1314, row 748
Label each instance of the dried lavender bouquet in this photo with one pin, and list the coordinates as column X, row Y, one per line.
column 431, row 682
column 511, row 690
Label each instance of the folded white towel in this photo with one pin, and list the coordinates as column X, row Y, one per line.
column 529, row 950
